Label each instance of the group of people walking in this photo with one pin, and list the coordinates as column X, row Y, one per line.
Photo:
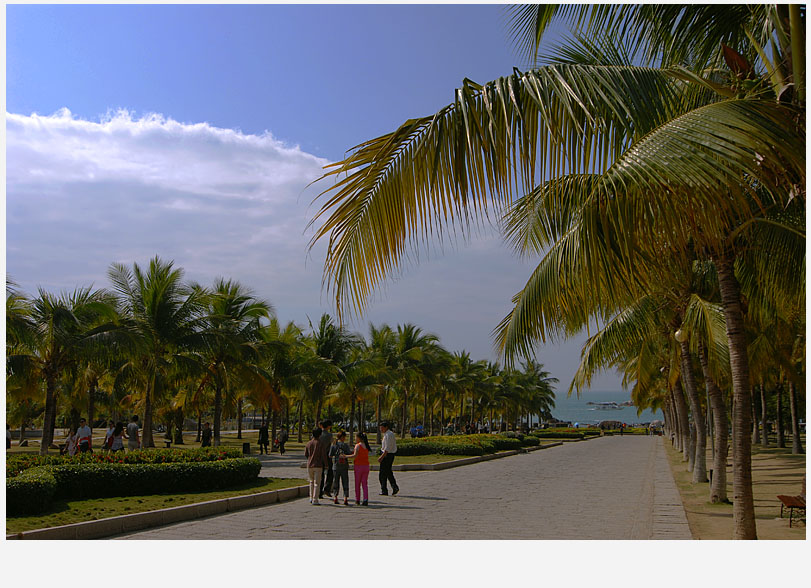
column 328, row 464
column 80, row 439
column 264, row 440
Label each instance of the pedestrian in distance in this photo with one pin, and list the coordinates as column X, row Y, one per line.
column 283, row 437
column 8, row 436
column 386, row 459
column 316, row 462
column 362, row 467
column 264, row 438
column 85, row 435
column 71, row 443
column 108, row 436
column 326, row 443
column 340, row 466
column 117, row 438
column 206, row 435
column 133, row 441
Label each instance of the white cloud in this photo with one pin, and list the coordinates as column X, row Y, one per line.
column 83, row 194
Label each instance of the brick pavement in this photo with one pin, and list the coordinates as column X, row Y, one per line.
column 606, row 488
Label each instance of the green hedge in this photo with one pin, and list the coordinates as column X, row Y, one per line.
column 558, row 435
column 97, row 480
column 17, row 463
column 31, row 492
column 479, row 444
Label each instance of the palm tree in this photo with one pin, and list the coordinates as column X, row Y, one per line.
column 333, row 344
column 496, row 139
column 48, row 337
column 233, row 322
column 163, row 319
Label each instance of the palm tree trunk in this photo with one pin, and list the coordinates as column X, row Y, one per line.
column 378, row 410
column 239, row 419
column 781, row 437
column 796, row 446
column 700, row 426
column 50, row 414
column 178, row 440
column 22, row 434
column 684, row 424
column 764, row 427
column 146, row 438
column 755, row 421
column 442, row 414
column 743, row 504
column 718, row 486
column 351, row 423
column 319, row 405
column 91, row 402
column 360, row 417
column 424, row 405
column 300, row 410
column 199, row 427
column 217, row 412
column 274, row 418
column 404, row 413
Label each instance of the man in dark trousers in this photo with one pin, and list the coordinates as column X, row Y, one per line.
column 326, row 476
column 387, row 459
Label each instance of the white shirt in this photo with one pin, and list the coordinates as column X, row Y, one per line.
column 84, row 433
column 389, row 442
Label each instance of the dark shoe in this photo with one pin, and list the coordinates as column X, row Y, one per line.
column 395, row 491
column 346, row 501
column 384, row 493
column 365, row 503
column 336, row 500
column 357, row 502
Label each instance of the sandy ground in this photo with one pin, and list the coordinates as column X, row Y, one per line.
column 774, row 471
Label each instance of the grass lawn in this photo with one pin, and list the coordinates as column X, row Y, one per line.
column 774, row 471
column 64, row 512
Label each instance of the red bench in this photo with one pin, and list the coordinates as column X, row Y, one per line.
column 793, row 503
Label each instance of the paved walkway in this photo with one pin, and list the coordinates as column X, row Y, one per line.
column 606, row 488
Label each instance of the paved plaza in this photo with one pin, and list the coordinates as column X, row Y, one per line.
column 605, row 488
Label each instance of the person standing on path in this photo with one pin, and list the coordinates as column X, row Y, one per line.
column 206, row 435
column 264, row 438
column 85, row 435
column 117, row 438
column 326, row 443
column 132, row 434
column 108, row 436
column 387, row 459
column 361, row 457
column 283, row 437
column 316, row 461
column 340, row 466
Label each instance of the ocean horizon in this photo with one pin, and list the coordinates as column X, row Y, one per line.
column 576, row 409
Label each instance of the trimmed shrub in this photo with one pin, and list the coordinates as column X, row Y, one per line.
column 477, row 444
column 101, row 480
column 31, row 492
column 16, row 463
column 558, row 435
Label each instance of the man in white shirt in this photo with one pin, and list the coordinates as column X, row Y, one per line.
column 85, row 435
column 387, row 459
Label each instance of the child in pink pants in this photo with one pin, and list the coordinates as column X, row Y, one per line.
column 361, row 457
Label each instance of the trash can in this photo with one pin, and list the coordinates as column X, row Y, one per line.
column 246, row 448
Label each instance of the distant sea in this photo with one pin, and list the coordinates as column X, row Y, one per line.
column 576, row 410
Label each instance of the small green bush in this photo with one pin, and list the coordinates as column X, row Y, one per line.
column 101, row 480
column 558, row 435
column 30, row 492
column 33, row 490
column 16, row 463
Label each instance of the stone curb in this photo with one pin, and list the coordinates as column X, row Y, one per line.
column 157, row 518
column 455, row 463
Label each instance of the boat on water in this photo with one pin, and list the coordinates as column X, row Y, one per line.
column 605, row 405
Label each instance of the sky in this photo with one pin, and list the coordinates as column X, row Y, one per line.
column 193, row 132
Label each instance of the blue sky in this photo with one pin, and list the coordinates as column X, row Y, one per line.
column 192, row 132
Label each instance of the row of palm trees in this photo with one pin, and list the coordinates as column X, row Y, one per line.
column 158, row 346
column 656, row 169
